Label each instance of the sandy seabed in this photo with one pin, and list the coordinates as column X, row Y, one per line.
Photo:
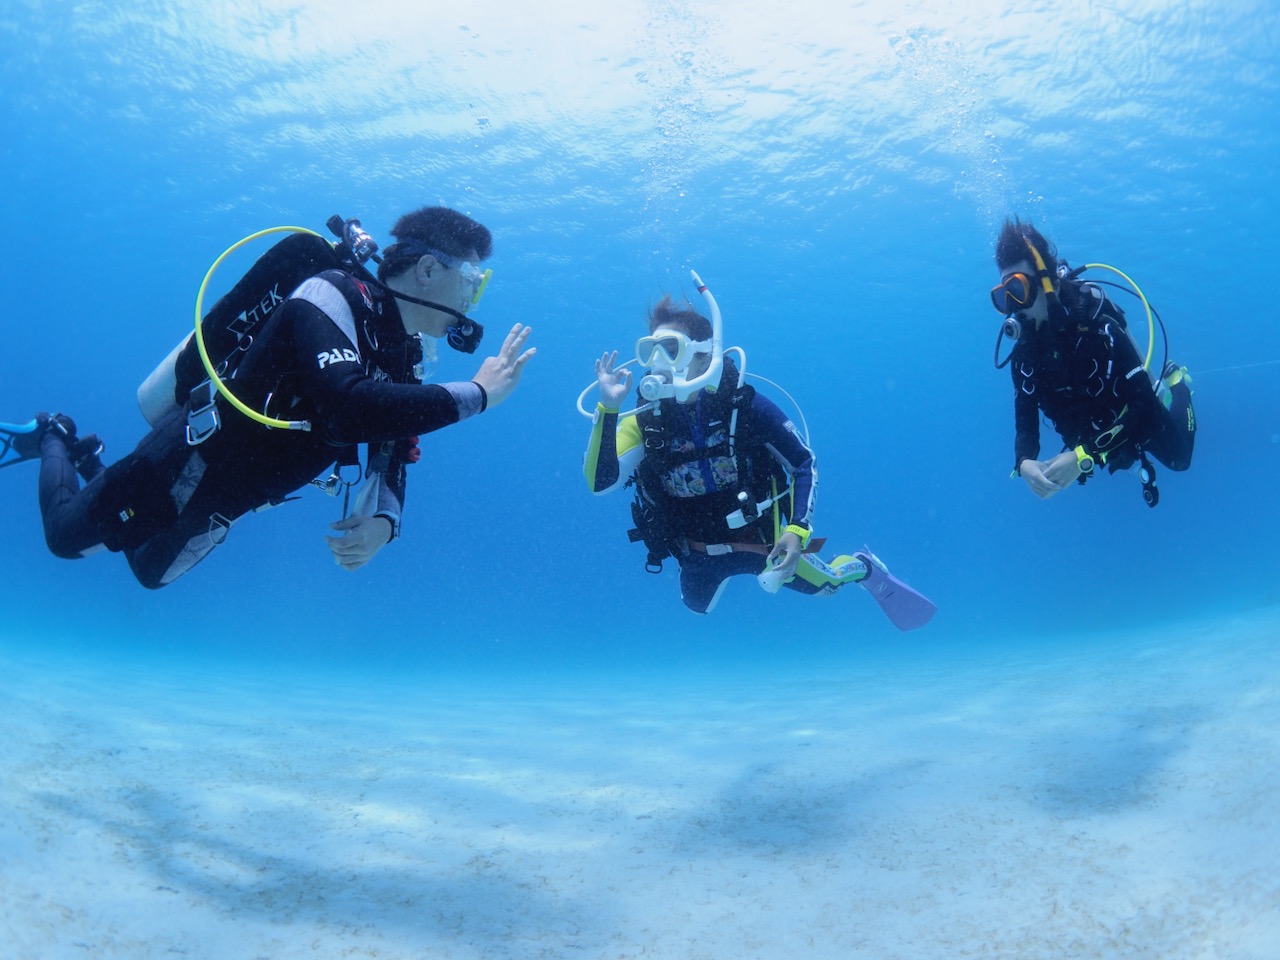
column 1117, row 800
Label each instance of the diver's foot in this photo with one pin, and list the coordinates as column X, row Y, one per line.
column 871, row 560
column 85, row 455
column 1172, row 375
column 27, row 445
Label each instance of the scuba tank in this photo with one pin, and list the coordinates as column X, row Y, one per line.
column 229, row 325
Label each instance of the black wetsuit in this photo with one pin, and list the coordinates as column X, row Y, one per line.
column 335, row 354
column 1087, row 378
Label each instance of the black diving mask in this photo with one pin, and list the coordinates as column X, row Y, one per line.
column 1015, row 292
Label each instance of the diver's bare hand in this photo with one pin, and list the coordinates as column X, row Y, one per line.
column 361, row 538
column 785, row 556
column 1047, row 477
column 499, row 375
column 1063, row 469
column 614, row 383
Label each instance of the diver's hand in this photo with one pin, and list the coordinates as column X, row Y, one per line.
column 1047, row 477
column 499, row 375
column 614, row 384
column 785, row 555
column 362, row 537
column 1063, row 469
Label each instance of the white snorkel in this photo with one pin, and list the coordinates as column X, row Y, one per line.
column 662, row 383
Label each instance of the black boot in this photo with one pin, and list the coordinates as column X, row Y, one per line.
column 27, row 445
column 84, row 453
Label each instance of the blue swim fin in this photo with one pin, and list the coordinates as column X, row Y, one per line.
column 905, row 607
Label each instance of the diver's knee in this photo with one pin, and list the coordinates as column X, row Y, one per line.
column 61, row 548
column 66, row 545
column 145, row 573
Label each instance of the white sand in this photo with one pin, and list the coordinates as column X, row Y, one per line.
column 1096, row 804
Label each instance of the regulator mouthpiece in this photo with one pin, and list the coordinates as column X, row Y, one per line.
column 656, row 386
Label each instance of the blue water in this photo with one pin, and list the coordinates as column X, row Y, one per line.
column 837, row 177
column 836, row 173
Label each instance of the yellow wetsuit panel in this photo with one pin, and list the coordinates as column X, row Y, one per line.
column 628, row 439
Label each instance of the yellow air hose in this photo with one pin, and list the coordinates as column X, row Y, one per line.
column 1151, row 323
column 216, row 380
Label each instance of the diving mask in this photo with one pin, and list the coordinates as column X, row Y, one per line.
column 1013, row 293
column 669, row 350
column 465, row 334
column 474, row 280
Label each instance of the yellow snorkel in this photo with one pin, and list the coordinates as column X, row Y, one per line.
column 1042, row 271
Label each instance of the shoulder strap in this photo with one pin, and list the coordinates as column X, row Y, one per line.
column 325, row 295
column 653, row 430
column 740, row 414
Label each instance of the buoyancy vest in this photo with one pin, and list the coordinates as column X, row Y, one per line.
column 1073, row 371
column 385, row 350
column 701, row 464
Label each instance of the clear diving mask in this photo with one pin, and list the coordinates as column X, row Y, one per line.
column 669, row 350
column 473, row 279
column 464, row 334
column 670, row 356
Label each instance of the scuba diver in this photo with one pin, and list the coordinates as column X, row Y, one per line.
column 724, row 481
column 341, row 356
column 1075, row 360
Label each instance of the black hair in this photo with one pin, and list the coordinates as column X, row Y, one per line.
column 1011, row 247
column 443, row 229
column 668, row 314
